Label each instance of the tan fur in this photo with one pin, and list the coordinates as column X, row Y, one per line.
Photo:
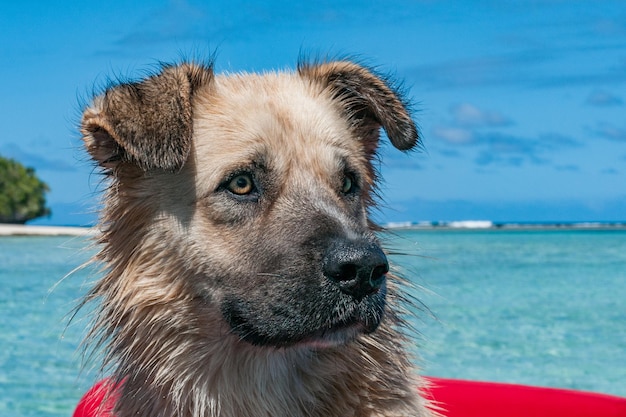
column 174, row 247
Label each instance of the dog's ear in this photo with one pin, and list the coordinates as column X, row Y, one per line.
column 146, row 123
column 368, row 100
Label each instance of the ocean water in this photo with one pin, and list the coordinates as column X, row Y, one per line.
column 40, row 363
column 542, row 307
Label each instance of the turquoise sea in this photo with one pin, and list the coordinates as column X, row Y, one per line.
column 543, row 307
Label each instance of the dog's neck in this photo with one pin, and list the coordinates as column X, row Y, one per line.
column 213, row 373
column 233, row 378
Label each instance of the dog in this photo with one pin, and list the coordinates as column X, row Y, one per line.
column 242, row 273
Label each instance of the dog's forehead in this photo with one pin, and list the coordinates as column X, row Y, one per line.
column 280, row 115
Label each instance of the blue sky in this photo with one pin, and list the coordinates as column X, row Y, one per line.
column 522, row 104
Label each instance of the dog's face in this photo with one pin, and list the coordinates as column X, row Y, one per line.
column 257, row 187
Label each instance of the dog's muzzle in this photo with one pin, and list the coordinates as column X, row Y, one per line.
column 325, row 304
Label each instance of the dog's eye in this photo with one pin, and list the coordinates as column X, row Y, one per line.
column 349, row 184
column 242, row 184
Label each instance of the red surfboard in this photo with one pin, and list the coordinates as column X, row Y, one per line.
column 458, row 398
column 454, row 398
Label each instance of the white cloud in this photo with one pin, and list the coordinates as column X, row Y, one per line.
column 454, row 135
column 35, row 159
column 466, row 114
column 608, row 131
column 467, row 120
column 603, row 98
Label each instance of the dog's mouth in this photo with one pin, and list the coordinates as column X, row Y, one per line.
column 336, row 326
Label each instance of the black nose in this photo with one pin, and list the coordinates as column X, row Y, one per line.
column 357, row 267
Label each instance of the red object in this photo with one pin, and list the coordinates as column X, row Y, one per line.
column 458, row 398
column 99, row 401
column 455, row 398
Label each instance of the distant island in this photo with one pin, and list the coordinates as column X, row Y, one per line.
column 488, row 224
column 22, row 193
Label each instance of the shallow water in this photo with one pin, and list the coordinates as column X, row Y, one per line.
column 39, row 357
column 536, row 307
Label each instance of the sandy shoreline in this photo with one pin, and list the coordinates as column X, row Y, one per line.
column 25, row 230
column 29, row 230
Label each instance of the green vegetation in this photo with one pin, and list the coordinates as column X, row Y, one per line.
column 22, row 194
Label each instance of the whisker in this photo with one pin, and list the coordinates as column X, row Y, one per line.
column 269, row 274
column 414, row 255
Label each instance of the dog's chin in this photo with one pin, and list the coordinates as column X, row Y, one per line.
column 333, row 337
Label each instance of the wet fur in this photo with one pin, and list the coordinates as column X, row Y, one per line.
column 211, row 304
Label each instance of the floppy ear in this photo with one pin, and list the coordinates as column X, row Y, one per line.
column 369, row 101
column 147, row 123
